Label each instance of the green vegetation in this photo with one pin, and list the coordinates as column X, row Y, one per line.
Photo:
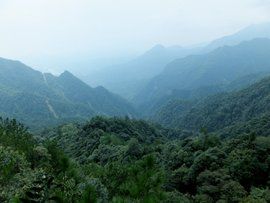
column 124, row 160
column 36, row 172
column 229, row 114
column 212, row 148
column 212, row 142
column 40, row 100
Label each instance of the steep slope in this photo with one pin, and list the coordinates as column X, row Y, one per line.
column 158, row 109
column 40, row 99
column 217, row 68
column 243, row 108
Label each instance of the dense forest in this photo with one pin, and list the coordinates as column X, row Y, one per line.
column 124, row 160
column 220, row 111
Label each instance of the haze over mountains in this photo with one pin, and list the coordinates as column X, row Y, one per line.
column 173, row 125
column 246, row 34
column 129, row 78
column 215, row 69
column 135, row 101
column 150, row 81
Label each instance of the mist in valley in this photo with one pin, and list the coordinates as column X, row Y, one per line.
column 135, row 101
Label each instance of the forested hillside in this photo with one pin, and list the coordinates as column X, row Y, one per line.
column 123, row 160
column 217, row 151
column 149, row 110
column 98, row 116
column 39, row 99
column 249, row 106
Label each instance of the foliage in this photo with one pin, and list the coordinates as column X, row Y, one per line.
column 124, row 160
column 229, row 114
column 42, row 100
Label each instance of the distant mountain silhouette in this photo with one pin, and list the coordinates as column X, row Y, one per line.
column 246, row 34
column 218, row 68
column 128, row 78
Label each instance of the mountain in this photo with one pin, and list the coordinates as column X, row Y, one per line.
column 153, row 108
column 39, row 99
column 218, row 68
column 246, row 110
column 128, row 78
column 246, row 34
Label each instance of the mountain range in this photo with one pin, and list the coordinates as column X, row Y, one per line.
column 190, row 74
column 40, row 99
column 130, row 78
column 207, row 139
column 246, row 34
column 246, row 110
column 224, row 68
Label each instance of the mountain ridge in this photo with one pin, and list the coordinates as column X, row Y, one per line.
column 221, row 112
column 219, row 67
column 34, row 97
column 128, row 78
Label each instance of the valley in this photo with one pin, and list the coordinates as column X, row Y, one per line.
column 174, row 125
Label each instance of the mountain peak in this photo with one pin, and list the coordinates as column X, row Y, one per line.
column 53, row 99
column 69, row 79
column 66, row 73
column 248, row 33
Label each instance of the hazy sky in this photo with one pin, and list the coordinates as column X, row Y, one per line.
column 38, row 30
